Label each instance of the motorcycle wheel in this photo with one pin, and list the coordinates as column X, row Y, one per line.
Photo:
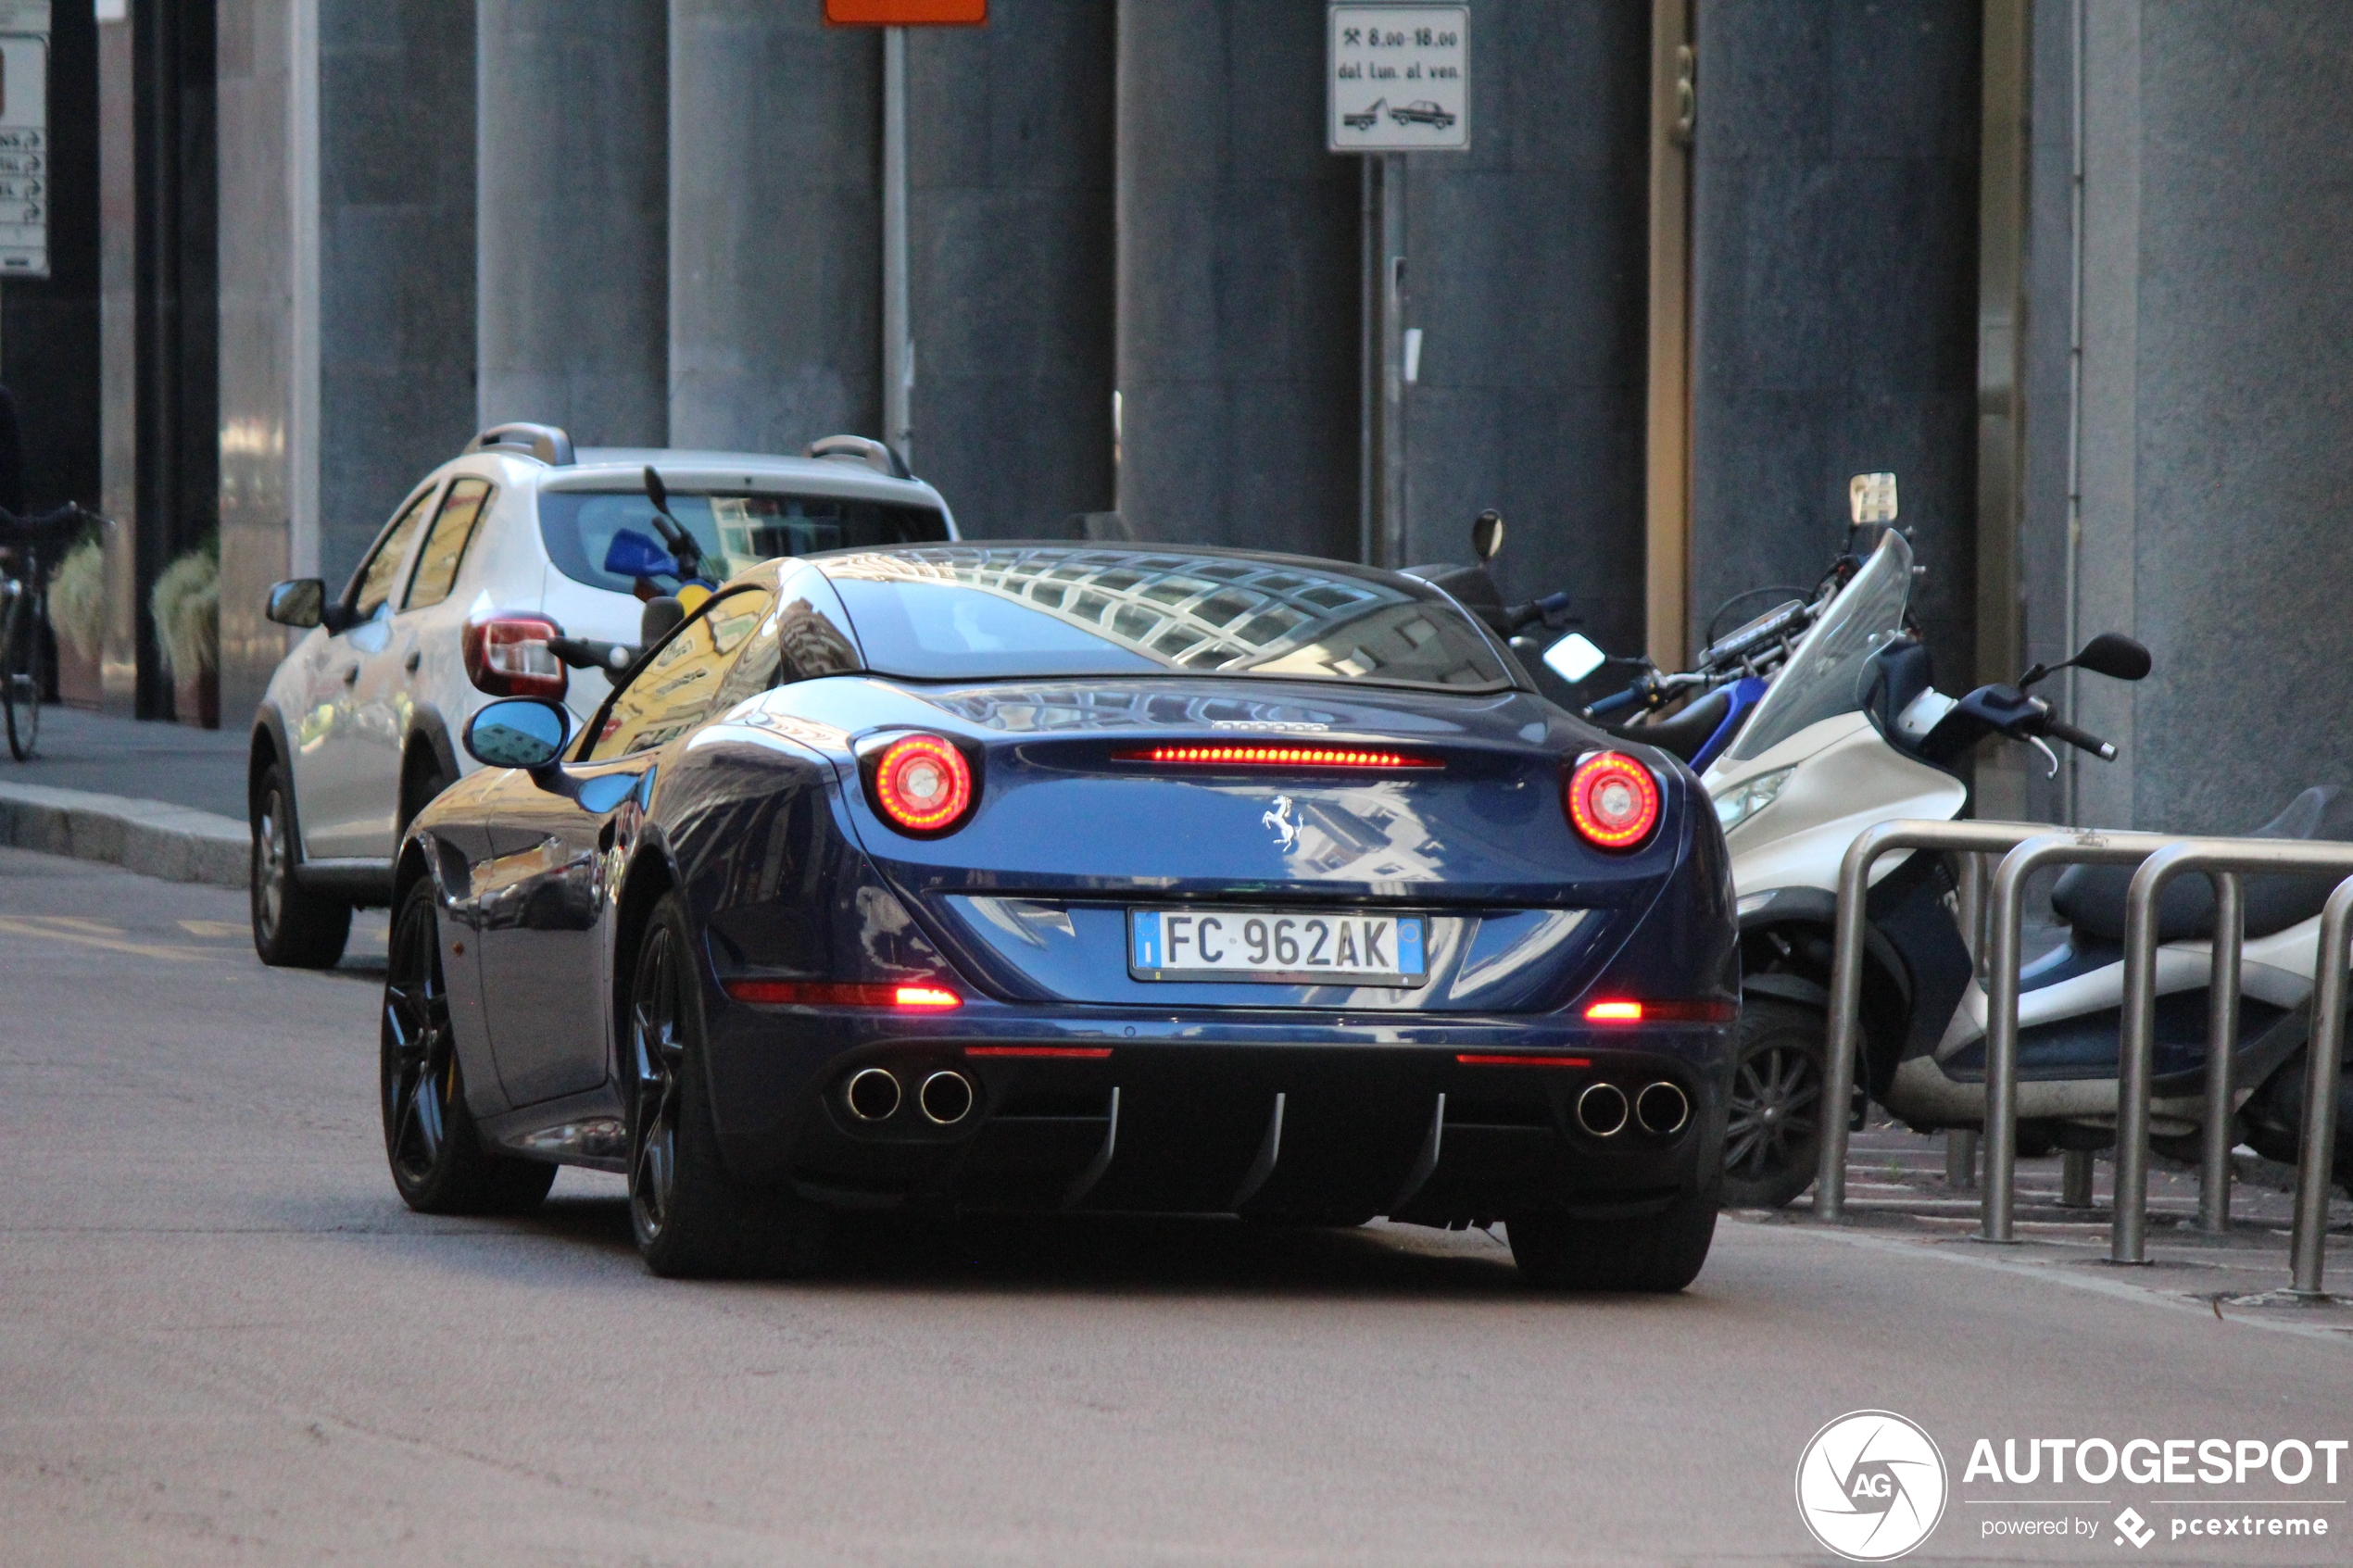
column 1773, row 1133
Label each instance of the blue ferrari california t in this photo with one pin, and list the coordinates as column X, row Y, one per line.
column 1064, row 877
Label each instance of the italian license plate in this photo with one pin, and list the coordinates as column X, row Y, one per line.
column 1276, row 946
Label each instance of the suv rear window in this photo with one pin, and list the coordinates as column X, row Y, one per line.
column 735, row 532
column 982, row 612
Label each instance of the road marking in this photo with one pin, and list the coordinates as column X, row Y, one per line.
column 75, row 923
column 143, row 949
column 223, row 928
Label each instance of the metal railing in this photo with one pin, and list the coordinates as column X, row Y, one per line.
column 1846, row 966
column 2003, row 960
column 2225, row 860
column 2029, row 848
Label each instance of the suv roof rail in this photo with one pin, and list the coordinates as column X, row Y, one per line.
column 545, row 443
column 860, row 450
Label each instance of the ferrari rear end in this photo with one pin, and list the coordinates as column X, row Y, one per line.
column 1292, row 952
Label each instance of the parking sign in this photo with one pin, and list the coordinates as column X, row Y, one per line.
column 1399, row 78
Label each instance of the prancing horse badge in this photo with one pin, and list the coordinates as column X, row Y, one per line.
column 1279, row 819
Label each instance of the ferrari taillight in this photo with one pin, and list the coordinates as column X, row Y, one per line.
column 1612, row 800
column 921, row 784
column 508, row 655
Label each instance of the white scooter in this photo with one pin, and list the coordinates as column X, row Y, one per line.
column 1852, row 733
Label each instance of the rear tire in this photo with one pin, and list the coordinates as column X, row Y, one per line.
column 23, row 677
column 1773, row 1131
column 291, row 928
column 439, row 1162
column 1658, row 1253
column 693, row 1220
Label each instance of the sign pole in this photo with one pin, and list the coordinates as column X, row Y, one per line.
column 1391, row 173
column 1397, row 81
column 897, row 346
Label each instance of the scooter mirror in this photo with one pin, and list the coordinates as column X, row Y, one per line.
column 656, row 491
column 1870, row 497
column 1487, row 534
column 2114, row 654
column 1574, row 658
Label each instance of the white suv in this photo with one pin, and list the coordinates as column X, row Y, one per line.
column 518, row 543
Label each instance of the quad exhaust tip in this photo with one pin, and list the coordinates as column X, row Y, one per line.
column 1601, row 1109
column 871, row 1094
column 946, row 1097
column 1662, row 1109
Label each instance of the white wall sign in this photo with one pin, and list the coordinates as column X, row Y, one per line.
column 1399, row 78
column 24, row 138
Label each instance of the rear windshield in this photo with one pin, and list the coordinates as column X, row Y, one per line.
column 973, row 612
column 733, row 531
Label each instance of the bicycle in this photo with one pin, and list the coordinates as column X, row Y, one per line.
column 24, row 618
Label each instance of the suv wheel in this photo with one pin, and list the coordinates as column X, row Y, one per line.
column 291, row 928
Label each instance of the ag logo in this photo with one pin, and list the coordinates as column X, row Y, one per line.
column 1870, row 1486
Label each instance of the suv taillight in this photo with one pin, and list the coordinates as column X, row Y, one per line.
column 508, row 655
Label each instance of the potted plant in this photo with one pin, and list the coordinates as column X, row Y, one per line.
column 78, row 610
column 186, row 603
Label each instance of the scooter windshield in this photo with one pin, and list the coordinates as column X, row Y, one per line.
column 1827, row 674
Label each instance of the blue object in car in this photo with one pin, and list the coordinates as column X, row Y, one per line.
column 631, row 554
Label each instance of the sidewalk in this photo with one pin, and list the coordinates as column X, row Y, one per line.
column 166, row 800
column 1898, row 1196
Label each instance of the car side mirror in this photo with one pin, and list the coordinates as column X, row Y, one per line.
column 519, row 731
column 2115, row 656
column 1574, row 658
column 301, row 602
column 1487, row 534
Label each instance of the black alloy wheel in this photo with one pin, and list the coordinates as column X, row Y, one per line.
column 1773, row 1135
column 437, row 1153
column 1652, row 1253
column 691, row 1218
column 291, row 928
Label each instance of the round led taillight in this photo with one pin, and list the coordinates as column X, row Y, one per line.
column 923, row 784
column 1613, row 800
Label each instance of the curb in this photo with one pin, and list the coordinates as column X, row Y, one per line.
column 152, row 837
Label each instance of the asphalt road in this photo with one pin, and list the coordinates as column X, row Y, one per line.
column 222, row 1339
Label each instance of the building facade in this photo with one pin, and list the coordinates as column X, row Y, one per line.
column 2069, row 268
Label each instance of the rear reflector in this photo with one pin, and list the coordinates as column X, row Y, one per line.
column 1525, row 1061
column 1659, row 1012
column 841, row 994
column 1273, row 757
column 1083, row 1053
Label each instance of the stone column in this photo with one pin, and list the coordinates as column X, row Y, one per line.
column 1527, row 264
column 1238, row 290
column 2217, row 265
column 394, row 289
column 1010, row 129
column 572, row 216
column 775, row 226
column 1836, row 294
column 258, row 98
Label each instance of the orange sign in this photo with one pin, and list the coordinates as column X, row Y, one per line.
column 906, row 13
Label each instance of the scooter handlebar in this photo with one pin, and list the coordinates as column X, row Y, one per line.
column 2083, row 740
column 1610, row 705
